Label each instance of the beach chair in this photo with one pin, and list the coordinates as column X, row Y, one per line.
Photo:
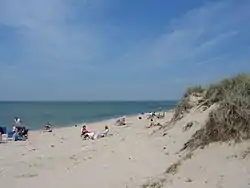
column 101, row 134
column 11, row 134
column 104, row 133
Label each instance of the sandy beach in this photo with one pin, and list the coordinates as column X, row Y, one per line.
column 127, row 157
column 177, row 72
column 131, row 156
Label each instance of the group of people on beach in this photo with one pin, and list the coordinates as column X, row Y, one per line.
column 18, row 133
column 153, row 116
column 86, row 134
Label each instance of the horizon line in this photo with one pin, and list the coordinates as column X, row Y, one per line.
column 165, row 100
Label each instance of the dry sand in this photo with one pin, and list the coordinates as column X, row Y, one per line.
column 131, row 157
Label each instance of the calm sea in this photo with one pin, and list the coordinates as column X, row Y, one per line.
column 36, row 114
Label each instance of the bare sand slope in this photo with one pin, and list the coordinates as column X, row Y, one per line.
column 217, row 165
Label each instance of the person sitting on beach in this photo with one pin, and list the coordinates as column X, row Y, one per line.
column 85, row 133
column 84, row 130
column 121, row 121
column 47, row 127
column 104, row 133
column 160, row 115
column 153, row 124
column 25, row 133
column 96, row 135
column 21, row 133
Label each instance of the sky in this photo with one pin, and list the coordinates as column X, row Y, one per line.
column 119, row 49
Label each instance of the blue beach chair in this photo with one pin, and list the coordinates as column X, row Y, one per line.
column 11, row 134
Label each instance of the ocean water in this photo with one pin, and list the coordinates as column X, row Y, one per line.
column 35, row 114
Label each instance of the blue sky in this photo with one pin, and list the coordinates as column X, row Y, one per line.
column 119, row 49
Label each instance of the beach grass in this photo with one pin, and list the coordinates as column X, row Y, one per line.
column 231, row 119
column 186, row 102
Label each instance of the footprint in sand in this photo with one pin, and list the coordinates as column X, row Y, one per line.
column 29, row 175
column 73, row 157
column 188, row 180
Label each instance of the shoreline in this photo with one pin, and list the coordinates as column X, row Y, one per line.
column 104, row 120
column 61, row 114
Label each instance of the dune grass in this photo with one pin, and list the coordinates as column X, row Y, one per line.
column 185, row 104
column 182, row 107
column 194, row 90
column 231, row 120
column 158, row 183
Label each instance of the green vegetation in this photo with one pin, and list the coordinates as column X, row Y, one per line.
column 194, row 91
column 231, row 119
column 182, row 107
column 185, row 104
column 237, row 86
